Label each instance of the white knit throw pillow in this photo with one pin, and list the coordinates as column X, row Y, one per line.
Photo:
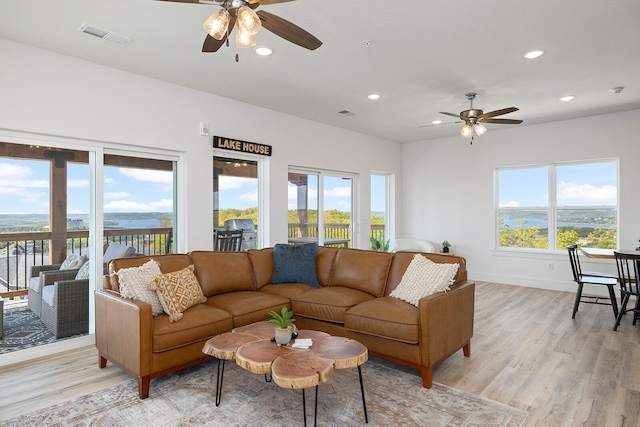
column 424, row 277
column 134, row 284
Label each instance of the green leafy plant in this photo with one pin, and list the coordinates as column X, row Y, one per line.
column 446, row 244
column 284, row 319
column 378, row 244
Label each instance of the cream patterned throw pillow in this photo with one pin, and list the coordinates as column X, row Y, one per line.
column 178, row 291
column 73, row 261
column 424, row 277
column 134, row 284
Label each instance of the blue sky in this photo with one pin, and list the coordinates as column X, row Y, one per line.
column 593, row 184
column 24, row 188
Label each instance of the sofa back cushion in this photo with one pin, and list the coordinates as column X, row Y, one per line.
column 363, row 270
column 262, row 262
column 221, row 272
column 168, row 263
column 402, row 260
column 324, row 263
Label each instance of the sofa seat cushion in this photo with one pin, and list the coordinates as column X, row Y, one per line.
column 198, row 323
column 385, row 317
column 328, row 304
column 248, row 306
column 287, row 290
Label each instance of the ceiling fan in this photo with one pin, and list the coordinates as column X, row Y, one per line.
column 473, row 118
column 241, row 12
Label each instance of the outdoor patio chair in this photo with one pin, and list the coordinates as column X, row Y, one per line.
column 40, row 276
column 227, row 240
column 65, row 306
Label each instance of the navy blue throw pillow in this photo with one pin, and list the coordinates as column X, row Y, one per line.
column 295, row 264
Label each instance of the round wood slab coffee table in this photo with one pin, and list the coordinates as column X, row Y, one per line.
column 252, row 348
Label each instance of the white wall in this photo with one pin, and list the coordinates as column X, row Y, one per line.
column 449, row 185
column 45, row 94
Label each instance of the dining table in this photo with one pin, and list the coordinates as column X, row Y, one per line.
column 605, row 253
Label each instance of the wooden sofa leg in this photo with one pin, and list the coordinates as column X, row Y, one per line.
column 467, row 349
column 427, row 374
column 143, row 386
column 102, row 362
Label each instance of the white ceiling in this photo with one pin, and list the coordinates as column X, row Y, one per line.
column 423, row 57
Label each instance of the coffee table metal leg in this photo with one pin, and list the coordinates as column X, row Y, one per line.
column 364, row 403
column 267, row 377
column 304, row 409
column 219, row 379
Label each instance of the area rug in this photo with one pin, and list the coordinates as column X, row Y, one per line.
column 23, row 329
column 187, row 398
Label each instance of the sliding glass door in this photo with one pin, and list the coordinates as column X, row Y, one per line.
column 320, row 207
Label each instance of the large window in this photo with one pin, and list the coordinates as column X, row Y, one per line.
column 556, row 205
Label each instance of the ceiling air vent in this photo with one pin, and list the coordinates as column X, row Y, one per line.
column 105, row 35
column 347, row 113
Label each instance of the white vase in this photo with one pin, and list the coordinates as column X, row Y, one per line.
column 283, row 336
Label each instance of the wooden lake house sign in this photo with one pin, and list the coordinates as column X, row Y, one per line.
column 242, row 146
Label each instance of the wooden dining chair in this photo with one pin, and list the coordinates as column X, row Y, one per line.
column 592, row 279
column 627, row 265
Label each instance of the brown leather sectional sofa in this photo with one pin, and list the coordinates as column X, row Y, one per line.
column 352, row 301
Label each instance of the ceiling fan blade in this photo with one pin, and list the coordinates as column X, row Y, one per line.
column 497, row 112
column 212, row 45
column 501, row 121
column 183, row 1
column 450, row 114
column 288, row 31
column 267, row 2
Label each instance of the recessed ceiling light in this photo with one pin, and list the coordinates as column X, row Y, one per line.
column 374, row 96
column 567, row 98
column 534, row 54
column 436, row 122
column 263, row 50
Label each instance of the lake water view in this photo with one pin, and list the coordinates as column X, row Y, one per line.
column 545, row 224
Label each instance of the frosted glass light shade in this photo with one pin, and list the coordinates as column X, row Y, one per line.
column 479, row 129
column 249, row 20
column 466, row 130
column 244, row 39
column 217, row 24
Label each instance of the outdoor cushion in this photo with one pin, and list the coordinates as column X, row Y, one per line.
column 73, row 261
column 116, row 250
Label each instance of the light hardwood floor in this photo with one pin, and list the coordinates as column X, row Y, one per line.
column 526, row 352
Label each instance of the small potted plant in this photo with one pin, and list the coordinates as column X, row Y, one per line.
column 284, row 325
column 445, row 247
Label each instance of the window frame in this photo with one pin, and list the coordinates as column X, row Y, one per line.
column 552, row 208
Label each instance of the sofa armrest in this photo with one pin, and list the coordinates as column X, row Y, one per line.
column 124, row 332
column 446, row 322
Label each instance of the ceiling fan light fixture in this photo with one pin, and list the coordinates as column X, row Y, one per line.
column 244, row 39
column 249, row 20
column 217, row 24
column 479, row 129
column 466, row 130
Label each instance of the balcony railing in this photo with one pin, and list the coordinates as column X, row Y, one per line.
column 331, row 230
column 20, row 251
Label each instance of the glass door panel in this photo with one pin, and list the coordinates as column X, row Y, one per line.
column 337, row 210
column 303, row 207
column 235, row 198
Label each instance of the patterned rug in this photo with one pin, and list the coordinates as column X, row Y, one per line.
column 186, row 398
column 23, row 329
